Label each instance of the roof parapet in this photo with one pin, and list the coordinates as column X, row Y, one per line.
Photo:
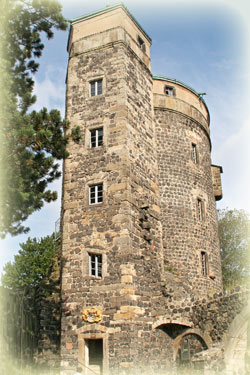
column 182, row 84
column 106, row 10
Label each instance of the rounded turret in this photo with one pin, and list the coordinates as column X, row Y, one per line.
column 189, row 219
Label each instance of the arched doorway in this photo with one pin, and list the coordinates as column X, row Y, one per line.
column 165, row 334
column 179, row 342
column 187, row 345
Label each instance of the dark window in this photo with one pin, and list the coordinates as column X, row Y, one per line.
column 95, row 265
column 96, row 194
column 204, row 263
column 169, row 90
column 194, row 153
column 141, row 43
column 200, row 209
column 96, row 137
column 96, row 87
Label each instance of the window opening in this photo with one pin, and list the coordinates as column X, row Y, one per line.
column 96, row 137
column 169, row 90
column 141, row 43
column 194, row 153
column 96, row 87
column 94, row 357
column 204, row 263
column 200, row 209
column 96, row 194
column 95, row 265
column 145, row 223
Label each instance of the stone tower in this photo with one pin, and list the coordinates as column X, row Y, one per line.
column 139, row 226
column 188, row 211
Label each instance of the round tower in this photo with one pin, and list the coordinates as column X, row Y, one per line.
column 186, row 179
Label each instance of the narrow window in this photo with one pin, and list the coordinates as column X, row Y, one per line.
column 169, row 90
column 96, row 137
column 96, row 194
column 96, row 87
column 194, row 153
column 204, row 263
column 95, row 265
column 200, row 209
column 141, row 43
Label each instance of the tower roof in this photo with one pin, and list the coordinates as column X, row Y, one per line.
column 106, row 10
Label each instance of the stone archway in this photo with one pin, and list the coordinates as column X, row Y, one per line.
column 164, row 335
column 182, row 342
column 187, row 346
column 237, row 344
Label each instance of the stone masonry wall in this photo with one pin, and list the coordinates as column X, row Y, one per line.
column 103, row 228
column 216, row 314
column 182, row 183
column 216, row 175
column 146, row 229
column 125, row 229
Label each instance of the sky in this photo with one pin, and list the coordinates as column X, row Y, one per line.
column 204, row 44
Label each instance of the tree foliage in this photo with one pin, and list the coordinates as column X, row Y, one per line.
column 29, row 283
column 31, row 265
column 31, row 142
column 234, row 234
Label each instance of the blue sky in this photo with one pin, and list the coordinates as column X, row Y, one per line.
column 203, row 43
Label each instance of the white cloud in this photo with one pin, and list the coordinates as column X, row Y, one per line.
column 234, row 156
column 50, row 90
column 236, row 144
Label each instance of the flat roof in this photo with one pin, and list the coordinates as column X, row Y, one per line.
column 106, row 10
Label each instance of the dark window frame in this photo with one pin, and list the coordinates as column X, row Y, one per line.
column 194, row 153
column 204, row 263
column 169, row 90
column 200, row 209
column 141, row 43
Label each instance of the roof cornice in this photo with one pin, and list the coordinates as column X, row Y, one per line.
column 106, row 10
column 173, row 80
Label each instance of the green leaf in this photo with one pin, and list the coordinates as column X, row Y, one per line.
column 31, row 265
column 31, row 143
column 234, row 234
